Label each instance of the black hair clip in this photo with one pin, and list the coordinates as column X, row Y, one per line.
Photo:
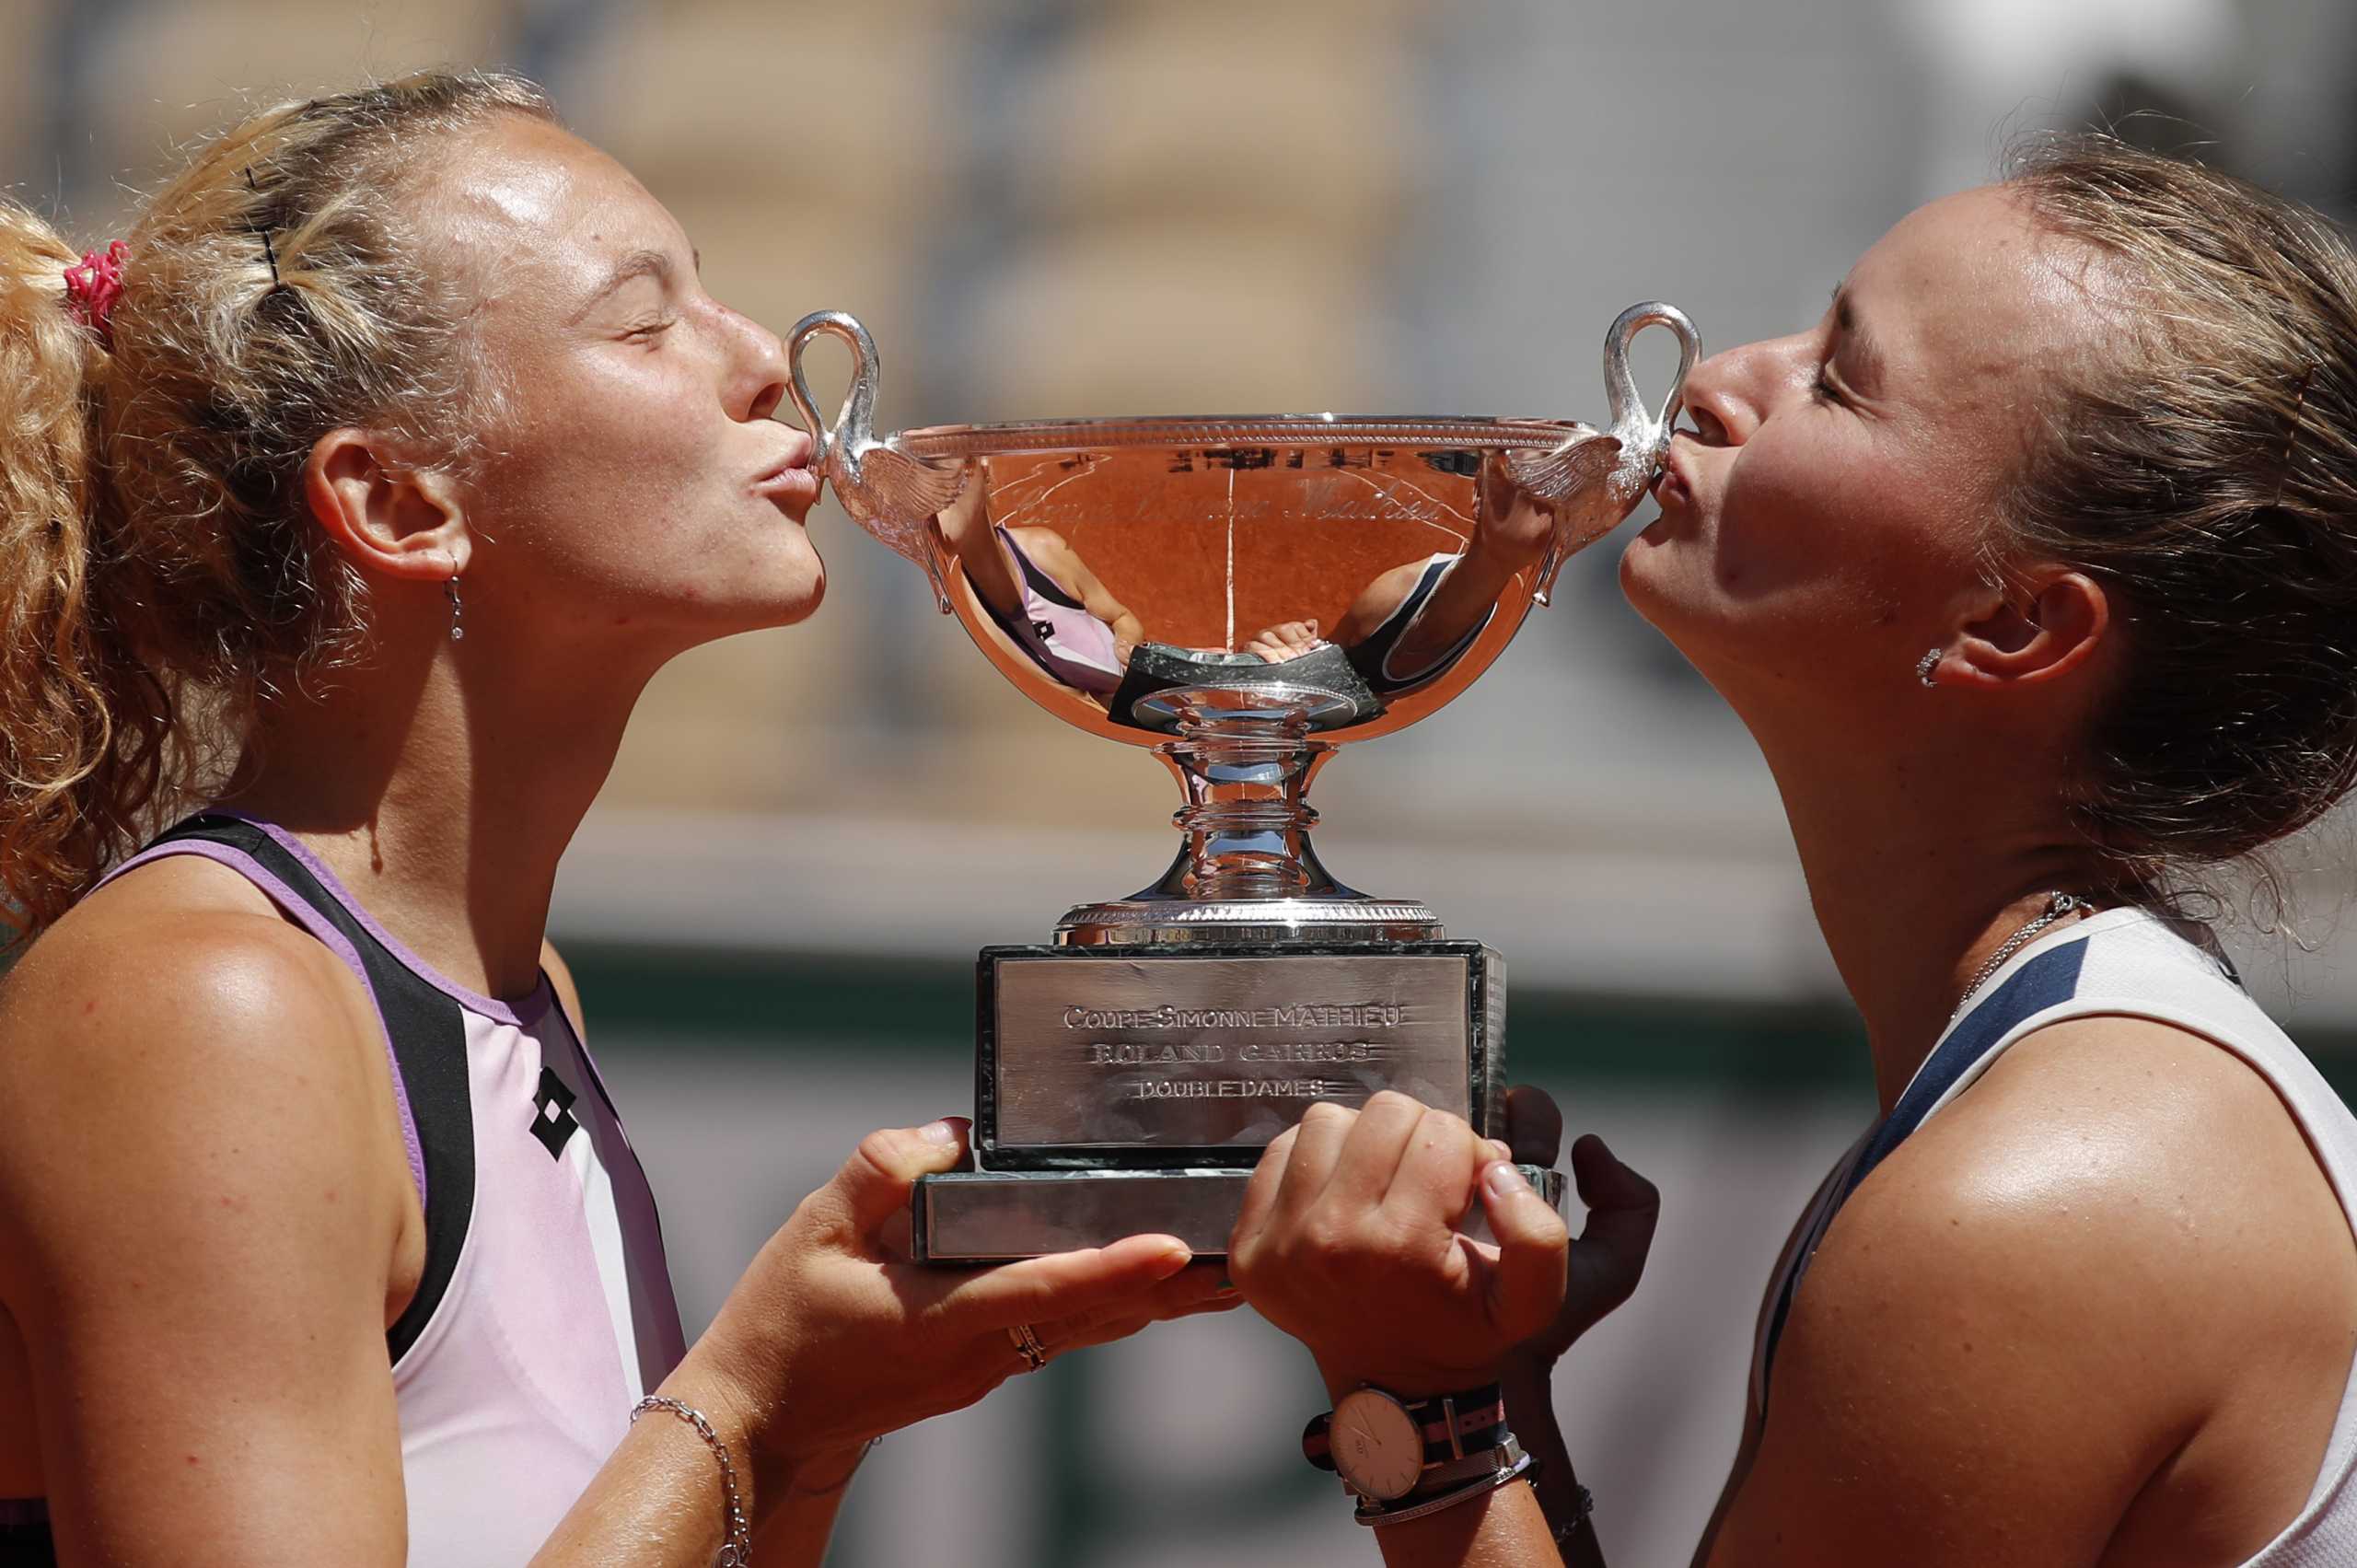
column 2292, row 433
column 261, row 232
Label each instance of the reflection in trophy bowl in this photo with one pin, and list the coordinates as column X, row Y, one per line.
column 1356, row 574
column 1243, row 594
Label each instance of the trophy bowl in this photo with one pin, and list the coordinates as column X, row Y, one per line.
column 1241, row 595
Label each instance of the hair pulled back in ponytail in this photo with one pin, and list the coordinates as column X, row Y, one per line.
column 159, row 575
column 2205, row 468
column 63, row 679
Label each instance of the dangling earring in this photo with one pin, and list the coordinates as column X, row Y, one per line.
column 1924, row 666
column 458, row 630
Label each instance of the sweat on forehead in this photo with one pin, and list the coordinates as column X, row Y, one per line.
column 538, row 217
column 1976, row 314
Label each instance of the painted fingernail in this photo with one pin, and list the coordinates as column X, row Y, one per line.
column 1506, row 1180
column 937, row 1132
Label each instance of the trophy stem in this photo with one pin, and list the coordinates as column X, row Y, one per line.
column 1245, row 870
column 1246, row 821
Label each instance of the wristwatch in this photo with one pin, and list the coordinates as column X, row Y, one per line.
column 1384, row 1446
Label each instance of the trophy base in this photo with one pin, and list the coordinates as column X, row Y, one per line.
column 1193, row 1057
column 1130, row 1090
column 989, row 1216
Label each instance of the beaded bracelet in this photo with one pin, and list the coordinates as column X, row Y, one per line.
column 736, row 1547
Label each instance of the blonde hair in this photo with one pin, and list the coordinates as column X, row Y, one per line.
column 162, row 577
column 2205, row 471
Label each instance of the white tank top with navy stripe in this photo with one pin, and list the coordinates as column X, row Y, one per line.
column 2121, row 961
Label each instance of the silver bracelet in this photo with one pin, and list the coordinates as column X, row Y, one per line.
column 1480, row 1488
column 736, row 1545
column 1582, row 1504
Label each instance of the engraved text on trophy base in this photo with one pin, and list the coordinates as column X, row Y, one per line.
column 1097, row 1050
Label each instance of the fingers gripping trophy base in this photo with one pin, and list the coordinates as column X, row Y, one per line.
column 992, row 1217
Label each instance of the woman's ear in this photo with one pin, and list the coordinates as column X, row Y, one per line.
column 388, row 518
column 2042, row 632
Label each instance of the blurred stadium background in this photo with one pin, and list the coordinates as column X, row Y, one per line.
column 1050, row 208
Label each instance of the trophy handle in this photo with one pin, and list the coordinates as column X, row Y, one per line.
column 1643, row 436
column 886, row 490
column 855, row 422
column 1576, row 473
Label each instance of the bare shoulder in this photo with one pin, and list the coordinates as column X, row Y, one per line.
column 1383, row 594
column 568, row 996
column 2090, row 1267
column 179, row 938
column 202, row 1205
column 1043, row 545
column 2137, row 1191
column 2151, row 1151
column 168, row 1038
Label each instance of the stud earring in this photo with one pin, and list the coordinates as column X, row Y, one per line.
column 458, row 627
column 1928, row 663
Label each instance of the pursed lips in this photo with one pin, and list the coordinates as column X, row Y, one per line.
column 1673, row 476
column 792, row 477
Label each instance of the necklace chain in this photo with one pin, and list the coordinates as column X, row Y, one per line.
column 2057, row 904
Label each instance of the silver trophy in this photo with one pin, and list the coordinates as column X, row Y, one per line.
column 1241, row 596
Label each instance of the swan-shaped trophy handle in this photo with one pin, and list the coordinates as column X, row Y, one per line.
column 1595, row 478
column 888, row 492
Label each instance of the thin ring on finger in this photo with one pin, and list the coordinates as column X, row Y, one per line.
column 1028, row 1341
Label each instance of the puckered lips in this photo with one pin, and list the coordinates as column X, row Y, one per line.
column 1674, row 483
column 789, row 481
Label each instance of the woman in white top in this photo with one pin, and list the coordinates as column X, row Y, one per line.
column 2032, row 567
column 357, row 493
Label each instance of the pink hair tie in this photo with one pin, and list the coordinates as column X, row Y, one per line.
column 92, row 288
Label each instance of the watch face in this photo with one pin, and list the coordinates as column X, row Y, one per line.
column 1377, row 1447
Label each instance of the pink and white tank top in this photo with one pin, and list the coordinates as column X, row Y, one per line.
column 1056, row 630
column 545, row 1308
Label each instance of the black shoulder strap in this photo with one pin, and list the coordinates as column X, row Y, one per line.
column 1372, row 653
column 428, row 1032
column 1047, row 587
